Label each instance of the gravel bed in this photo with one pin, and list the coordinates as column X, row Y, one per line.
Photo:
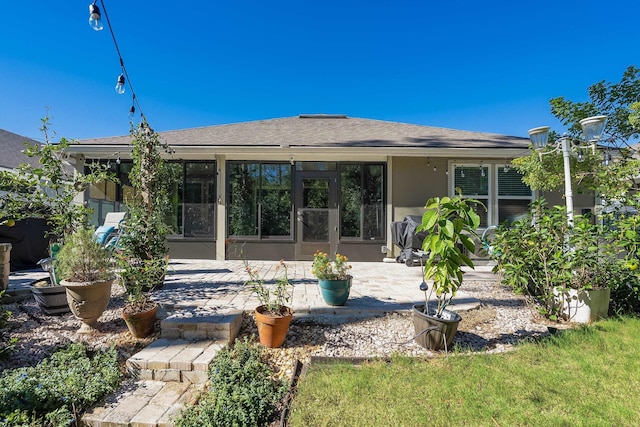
column 502, row 320
column 39, row 334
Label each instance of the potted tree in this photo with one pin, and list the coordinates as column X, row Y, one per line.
column 333, row 277
column 451, row 224
column 84, row 267
column 272, row 316
column 142, row 249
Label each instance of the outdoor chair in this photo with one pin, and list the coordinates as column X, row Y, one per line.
column 108, row 234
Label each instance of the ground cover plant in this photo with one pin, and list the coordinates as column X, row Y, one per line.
column 57, row 390
column 243, row 391
column 583, row 377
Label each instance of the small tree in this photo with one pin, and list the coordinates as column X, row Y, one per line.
column 144, row 246
column 619, row 102
column 451, row 224
column 48, row 190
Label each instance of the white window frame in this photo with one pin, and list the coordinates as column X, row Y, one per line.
column 493, row 197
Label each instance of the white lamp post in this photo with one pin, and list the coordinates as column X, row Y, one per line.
column 592, row 128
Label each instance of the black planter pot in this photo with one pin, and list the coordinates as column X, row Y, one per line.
column 432, row 332
column 52, row 300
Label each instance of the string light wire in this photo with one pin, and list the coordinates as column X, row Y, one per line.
column 134, row 98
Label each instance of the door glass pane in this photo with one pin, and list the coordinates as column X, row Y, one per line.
column 315, row 193
column 315, row 226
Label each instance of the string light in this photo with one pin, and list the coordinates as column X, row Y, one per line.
column 95, row 20
column 606, row 158
column 123, row 79
column 120, row 85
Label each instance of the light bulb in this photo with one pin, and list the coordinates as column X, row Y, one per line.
column 120, row 84
column 94, row 18
column 435, row 169
column 118, row 161
column 580, row 155
column 461, row 173
column 482, row 174
column 607, row 159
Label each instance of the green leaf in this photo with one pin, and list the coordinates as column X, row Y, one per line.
column 468, row 243
column 448, row 228
column 428, row 220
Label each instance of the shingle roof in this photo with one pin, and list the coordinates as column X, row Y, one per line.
column 326, row 131
column 11, row 145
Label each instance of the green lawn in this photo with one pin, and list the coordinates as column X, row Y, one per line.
column 584, row 377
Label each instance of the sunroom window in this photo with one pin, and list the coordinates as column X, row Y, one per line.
column 259, row 203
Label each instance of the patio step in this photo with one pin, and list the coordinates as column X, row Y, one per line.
column 144, row 403
column 174, row 360
column 168, row 373
column 202, row 324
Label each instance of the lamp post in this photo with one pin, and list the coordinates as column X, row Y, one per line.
column 592, row 128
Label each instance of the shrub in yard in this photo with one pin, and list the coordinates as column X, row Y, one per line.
column 6, row 344
column 56, row 391
column 243, row 391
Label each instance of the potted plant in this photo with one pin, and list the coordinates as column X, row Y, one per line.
column 450, row 223
column 333, row 277
column 84, row 267
column 569, row 270
column 142, row 248
column 583, row 295
column 139, row 312
column 272, row 316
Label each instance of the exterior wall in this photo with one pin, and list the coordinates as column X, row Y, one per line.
column 581, row 202
column 262, row 251
column 415, row 181
column 192, row 249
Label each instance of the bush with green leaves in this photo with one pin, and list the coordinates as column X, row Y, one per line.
column 83, row 259
column 243, row 391
column 56, row 391
column 541, row 252
column 48, row 189
column 6, row 344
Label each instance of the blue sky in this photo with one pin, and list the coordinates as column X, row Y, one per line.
column 485, row 66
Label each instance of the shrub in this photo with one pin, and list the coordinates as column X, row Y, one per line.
column 6, row 344
column 55, row 391
column 243, row 391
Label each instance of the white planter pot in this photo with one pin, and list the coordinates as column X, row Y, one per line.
column 583, row 306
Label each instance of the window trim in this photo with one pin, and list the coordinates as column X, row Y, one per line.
column 493, row 197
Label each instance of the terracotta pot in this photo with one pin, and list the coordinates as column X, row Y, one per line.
column 141, row 323
column 335, row 292
column 272, row 329
column 433, row 332
column 87, row 301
